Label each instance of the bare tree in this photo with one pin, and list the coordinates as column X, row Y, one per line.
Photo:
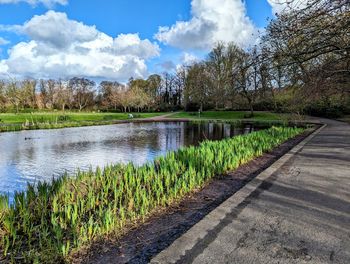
column 198, row 85
column 82, row 91
column 14, row 94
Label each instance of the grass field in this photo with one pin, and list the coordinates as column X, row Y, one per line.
column 231, row 115
column 54, row 120
column 59, row 119
column 11, row 118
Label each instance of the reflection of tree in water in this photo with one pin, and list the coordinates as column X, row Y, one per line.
column 196, row 133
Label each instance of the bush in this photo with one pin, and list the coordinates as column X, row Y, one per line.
column 63, row 118
column 331, row 110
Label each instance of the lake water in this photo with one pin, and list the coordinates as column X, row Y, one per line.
column 40, row 155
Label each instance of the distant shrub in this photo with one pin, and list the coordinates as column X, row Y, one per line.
column 63, row 118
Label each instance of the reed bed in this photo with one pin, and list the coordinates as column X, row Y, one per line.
column 47, row 222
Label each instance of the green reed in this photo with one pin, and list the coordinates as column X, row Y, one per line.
column 46, row 223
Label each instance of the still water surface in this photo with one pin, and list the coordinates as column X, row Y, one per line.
column 40, row 155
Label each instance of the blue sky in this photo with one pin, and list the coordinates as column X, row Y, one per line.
column 162, row 50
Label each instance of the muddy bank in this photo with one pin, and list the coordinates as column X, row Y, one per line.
column 141, row 244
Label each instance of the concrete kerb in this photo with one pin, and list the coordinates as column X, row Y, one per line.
column 187, row 241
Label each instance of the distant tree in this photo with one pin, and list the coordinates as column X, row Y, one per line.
column 50, row 93
column 154, row 89
column 138, row 94
column 110, row 92
column 83, row 92
column 64, row 95
column 28, row 87
column 179, row 86
column 217, row 65
column 3, row 99
column 198, row 85
column 14, row 94
column 125, row 99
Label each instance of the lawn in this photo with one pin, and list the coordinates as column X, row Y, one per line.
column 41, row 117
column 59, row 119
column 54, row 120
column 231, row 115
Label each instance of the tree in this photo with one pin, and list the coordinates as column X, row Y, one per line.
column 217, row 65
column 179, row 84
column 125, row 99
column 154, row 89
column 3, row 99
column 64, row 95
column 14, row 94
column 311, row 46
column 139, row 98
column 28, row 93
column 83, row 92
column 110, row 93
column 246, row 76
column 198, row 85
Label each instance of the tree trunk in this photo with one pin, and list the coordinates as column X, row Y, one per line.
column 251, row 109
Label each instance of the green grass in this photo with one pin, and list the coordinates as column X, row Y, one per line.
column 231, row 115
column 48, row 120
column 46, row 224
column 11, row 118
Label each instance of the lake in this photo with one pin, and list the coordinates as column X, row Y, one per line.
column 40, row 155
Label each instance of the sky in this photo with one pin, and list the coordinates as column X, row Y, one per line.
column 119, row 39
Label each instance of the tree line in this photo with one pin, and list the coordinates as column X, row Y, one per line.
column 301, row 65
column 157, row 92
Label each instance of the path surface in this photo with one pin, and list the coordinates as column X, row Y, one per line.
column 300, row 212
column 160, row 117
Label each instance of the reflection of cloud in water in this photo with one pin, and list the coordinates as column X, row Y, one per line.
column 52, row 152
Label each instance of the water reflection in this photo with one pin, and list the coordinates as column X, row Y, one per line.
column 32, row 156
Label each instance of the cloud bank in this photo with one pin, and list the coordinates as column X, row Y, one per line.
column 61, row 47
column 212, row 21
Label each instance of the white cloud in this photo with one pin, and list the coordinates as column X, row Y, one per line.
column 279, row 6
column 188, row 58
column 3, row 41
column 212, row 21
column 57, row 30
column 60, row 47
column 48, row 3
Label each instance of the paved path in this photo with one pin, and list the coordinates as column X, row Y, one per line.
column 298, row 211
column 160, row 117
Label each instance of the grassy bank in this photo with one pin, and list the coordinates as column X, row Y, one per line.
column 47, row 224
column 232, row 115
column 58, row 119
column 48, row 120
